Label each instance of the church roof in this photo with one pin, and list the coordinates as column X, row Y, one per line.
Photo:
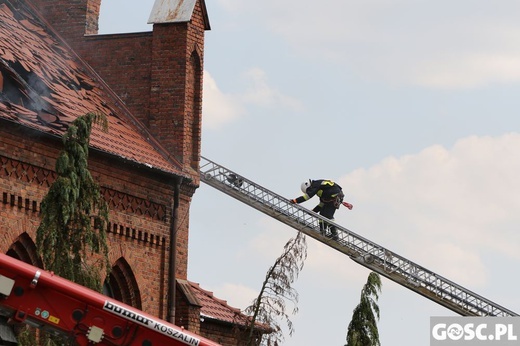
column 45, row 86
column 215, row 308
column 219, row 310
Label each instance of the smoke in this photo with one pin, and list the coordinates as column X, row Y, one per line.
column 24, row 88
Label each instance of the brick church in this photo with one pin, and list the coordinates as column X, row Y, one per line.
column 54, row 67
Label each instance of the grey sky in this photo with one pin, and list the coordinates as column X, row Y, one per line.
column 412, row 106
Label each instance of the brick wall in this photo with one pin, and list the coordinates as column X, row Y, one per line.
column 188, row 311
column 72, row 19
column 123, row 61
column 158, row 75
column 140, row 208
column 177, row 67
column 225, row 334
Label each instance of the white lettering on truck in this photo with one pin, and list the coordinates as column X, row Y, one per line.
column 150, row 323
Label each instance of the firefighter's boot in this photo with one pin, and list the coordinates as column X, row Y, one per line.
column 333, row 233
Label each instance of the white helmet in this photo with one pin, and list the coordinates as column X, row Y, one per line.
column 305, row 185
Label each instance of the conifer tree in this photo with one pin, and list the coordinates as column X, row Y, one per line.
column 270, row 305
column 362, row 329
column 74, row 215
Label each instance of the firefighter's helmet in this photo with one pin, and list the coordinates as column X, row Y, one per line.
column 305, row 185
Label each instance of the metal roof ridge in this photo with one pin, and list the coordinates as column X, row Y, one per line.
column 176, row 11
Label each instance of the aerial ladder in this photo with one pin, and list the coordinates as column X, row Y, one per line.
column 363, row 251
column 46, row 301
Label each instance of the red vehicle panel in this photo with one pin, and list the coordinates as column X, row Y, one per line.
column 44, row 300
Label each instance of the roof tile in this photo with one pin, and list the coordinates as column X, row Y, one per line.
column 213, row 307
column 45, row 86
column 218, row 309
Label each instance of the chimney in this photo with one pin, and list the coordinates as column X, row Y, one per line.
column 176, row 77
column 72, row 19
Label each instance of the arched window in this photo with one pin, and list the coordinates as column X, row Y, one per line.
column 122, row 285
column 195, row 107
column 24, row 250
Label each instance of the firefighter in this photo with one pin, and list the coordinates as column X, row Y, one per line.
column 331, row 197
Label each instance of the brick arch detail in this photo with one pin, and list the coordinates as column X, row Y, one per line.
column 24, row 250
column 195, row 105
column 124, row 285
column 198, row 51
column 28, row 173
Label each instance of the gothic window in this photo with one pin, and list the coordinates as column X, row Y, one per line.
column 195, row 103
column 122, row 285
column 24, row 250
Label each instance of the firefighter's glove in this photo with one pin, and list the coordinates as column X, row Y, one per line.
column 293, row 201
column 317, row 209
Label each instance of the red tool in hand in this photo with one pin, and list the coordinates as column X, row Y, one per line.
column 348, row 205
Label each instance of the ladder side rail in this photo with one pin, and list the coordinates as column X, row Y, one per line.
column 367, row 253
column 421, row 277
column 294, row 215
column 435, row 283
column 358, row 245
column 444, row 292
column 445, row 300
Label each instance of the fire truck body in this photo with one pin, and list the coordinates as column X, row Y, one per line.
column 31, row 295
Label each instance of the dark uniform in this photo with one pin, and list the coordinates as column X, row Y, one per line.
column 331, row 197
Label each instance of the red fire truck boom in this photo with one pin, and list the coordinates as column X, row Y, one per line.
column 39, row 298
